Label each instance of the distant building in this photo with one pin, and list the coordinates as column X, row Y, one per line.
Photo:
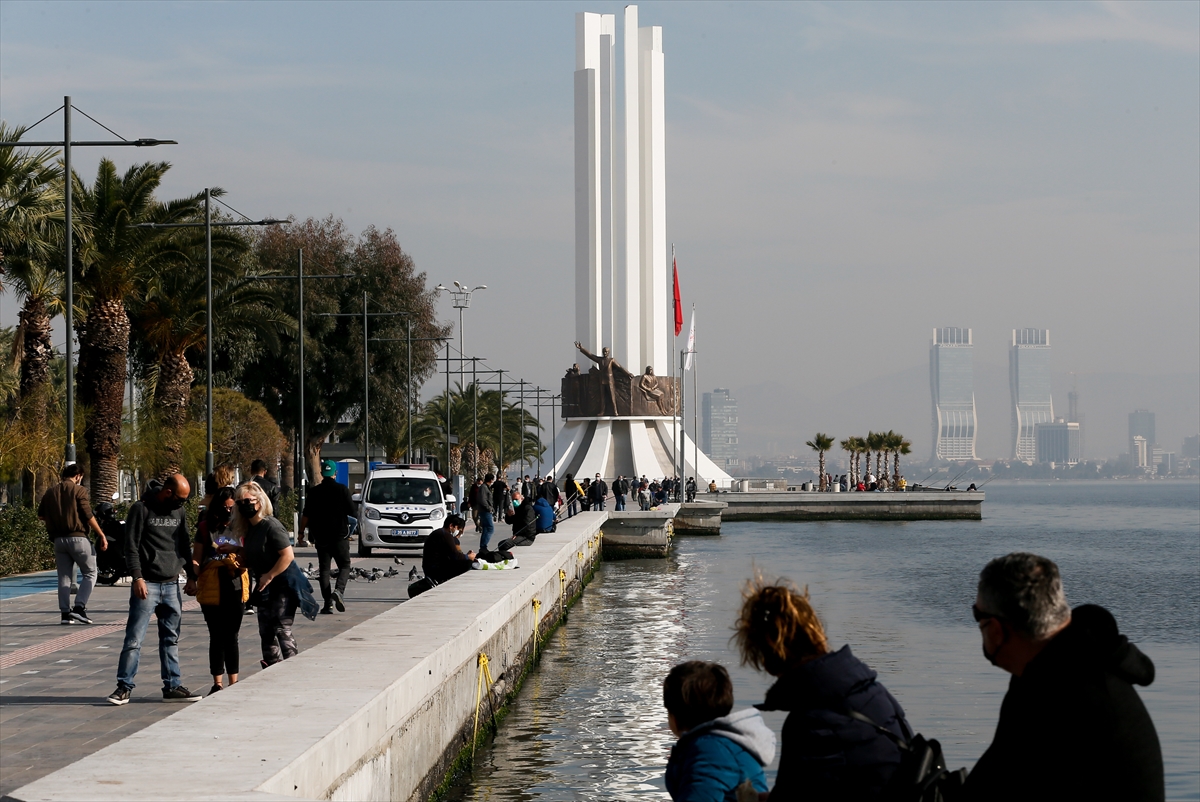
column 1139, row 451
column 1029, row 383
column 1058, row 442
column 1168, row 464
column 952, row 388
column 1191, row 447
column 1141, row 424
column 719, row 439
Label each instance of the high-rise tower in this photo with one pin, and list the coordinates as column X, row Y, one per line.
column 1029, row 383
column 951, row 384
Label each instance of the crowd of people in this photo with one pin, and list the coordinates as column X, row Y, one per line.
column 1071, row 726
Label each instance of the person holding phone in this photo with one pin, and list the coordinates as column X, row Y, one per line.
column 222, row 585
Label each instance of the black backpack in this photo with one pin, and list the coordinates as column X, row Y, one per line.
column 921, row 775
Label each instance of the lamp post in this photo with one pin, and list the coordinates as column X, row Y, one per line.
column 66, row 144
column 409, row 340
column 207, row 225
column 462, row 300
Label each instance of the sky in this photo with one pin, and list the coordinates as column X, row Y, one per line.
column 841, row 178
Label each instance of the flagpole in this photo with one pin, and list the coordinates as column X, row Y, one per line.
column 676, row 407
column 695, row 401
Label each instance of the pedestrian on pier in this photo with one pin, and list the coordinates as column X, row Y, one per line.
column 598, row 493
column 573, row 492
column 1071, row 726
column 327, row 512
column 157, row 550
column 487, row 512
column 222, row 586
column 620, row 488
column 826, row 753
column 691, row 488
column 65, row 510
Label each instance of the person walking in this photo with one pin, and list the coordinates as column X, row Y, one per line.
column 825, row 753
column 573, row 492
column 271, row 561
column 222, row 586
column 487, row 512
column 620, row 489
column 157, row 550
column 690, row 489
column 65, row 510
column 258, row 474
column 1071, row 726
column 598, row 493
column 549, row 491
column 327, row 513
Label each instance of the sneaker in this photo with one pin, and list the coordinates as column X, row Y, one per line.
column 80, row 614
column 119, row 697
column 338, row 602
column 327, row 610
column 67, row 620
column 179, row 694
column 214, row 689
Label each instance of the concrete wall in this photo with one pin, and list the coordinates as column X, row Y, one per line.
column 801, row 506
column 379, row 712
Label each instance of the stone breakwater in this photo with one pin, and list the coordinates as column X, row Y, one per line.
column 383, row 711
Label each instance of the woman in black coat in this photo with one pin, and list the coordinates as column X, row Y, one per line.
column 825, row 753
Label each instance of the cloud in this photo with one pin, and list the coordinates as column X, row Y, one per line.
column 1117, row 22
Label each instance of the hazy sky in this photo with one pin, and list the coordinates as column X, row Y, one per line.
column 841, row 178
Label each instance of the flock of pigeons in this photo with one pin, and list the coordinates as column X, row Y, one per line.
column 361, row 574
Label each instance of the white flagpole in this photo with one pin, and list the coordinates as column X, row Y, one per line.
column 695, row 399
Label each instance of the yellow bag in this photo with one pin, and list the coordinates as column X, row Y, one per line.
column 208, row 584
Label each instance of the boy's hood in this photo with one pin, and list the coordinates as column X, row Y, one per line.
column 745, row 728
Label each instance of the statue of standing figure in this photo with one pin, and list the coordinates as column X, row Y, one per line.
column 608, row 387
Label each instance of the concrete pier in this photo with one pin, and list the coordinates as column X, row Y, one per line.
column 810, row 506
column 700, row 518
column 380, row 712
column 634, row 533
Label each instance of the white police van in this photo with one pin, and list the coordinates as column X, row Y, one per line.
column 399, row 507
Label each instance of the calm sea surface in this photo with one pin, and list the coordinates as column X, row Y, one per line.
column 589, row 723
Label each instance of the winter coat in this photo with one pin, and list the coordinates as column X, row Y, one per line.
column 545, row 515
column 1072, row 726
column 525, row 520
column 712, row 759
column 826, row 754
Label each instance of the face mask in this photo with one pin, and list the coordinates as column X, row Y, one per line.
column 991, row 658
column 246, row 506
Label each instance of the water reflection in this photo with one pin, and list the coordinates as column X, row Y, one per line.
column 590, row 724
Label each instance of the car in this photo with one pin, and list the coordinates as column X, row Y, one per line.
column 399, row 507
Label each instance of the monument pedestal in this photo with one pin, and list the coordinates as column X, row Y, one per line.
column 632, row 447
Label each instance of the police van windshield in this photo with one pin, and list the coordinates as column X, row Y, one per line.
column 401, row 490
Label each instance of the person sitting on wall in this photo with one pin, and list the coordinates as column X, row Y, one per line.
column 524, row 526
column 442, row 558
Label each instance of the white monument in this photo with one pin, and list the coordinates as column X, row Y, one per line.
column 623, row 299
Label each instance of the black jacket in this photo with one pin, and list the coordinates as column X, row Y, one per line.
column 598, row 491
column 825, row 754
column 157, row 546
column 328, row 507
column 442, row 559
column 1072, row 726
column 271, row 489
column 525, row 520
column 549, row 491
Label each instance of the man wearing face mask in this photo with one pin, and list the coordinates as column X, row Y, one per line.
column 157, row 548
column 1071, row 725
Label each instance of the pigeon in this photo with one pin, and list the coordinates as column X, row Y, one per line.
column 373, row 577
column 389, row 573
column 397, row 560
column 412, row 574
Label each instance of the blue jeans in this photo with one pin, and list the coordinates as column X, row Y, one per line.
column 487, row 525
column 164, row 599
column 620, row 505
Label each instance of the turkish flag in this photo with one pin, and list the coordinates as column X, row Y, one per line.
column 678, row 302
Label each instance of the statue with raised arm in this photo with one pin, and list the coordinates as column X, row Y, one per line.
column 608, row 387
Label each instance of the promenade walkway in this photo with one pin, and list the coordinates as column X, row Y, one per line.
column 53, row 679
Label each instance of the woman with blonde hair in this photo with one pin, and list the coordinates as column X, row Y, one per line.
column 281, row 587
column 825, row 753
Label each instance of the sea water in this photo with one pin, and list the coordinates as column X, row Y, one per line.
column 589, row 721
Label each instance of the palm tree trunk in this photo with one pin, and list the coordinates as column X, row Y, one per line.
column 878, row 457
column 896, row 464
column 171, row 396
column 821, row 463
column 36, row 352
column 287, row 470
column 103, row 349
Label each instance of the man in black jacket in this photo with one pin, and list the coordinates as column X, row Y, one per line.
column 258, row 472
column 524, row 525
column 597, row 492
column 327, row 511
column 443, row 558
column 1071, row 725
column 157, row 549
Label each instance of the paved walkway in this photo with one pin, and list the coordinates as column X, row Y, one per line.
column 53, row 679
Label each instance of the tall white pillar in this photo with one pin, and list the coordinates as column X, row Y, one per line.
column 627, row 283
column 593, row 156
column 652, row 113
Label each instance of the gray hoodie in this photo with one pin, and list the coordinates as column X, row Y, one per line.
column 745, row 728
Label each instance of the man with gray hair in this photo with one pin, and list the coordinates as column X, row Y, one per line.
column 1071, row 725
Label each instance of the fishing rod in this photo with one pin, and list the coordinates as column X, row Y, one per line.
column 960, row 475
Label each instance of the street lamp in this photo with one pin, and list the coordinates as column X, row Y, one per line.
column 207, row 225
column 462, row 300
column 66, row 144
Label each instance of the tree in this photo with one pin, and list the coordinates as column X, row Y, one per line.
column 169, row 323
column 820, row 444
column 430, row 430
column 333, row 335
column 899, row 446
column 850, row 447
column 875, row 444
column 112, row 264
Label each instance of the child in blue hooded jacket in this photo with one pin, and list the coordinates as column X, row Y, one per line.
column 717, row 753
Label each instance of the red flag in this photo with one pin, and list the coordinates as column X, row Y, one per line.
column 678, row 302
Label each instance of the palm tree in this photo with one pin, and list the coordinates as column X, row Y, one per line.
column 874, row 444
column 429, row 431
column 821, row 443
column 848, row 445
column 168, row 316
column 900, row 446
column 116, row 262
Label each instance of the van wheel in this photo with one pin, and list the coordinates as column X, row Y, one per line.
column 363, row 551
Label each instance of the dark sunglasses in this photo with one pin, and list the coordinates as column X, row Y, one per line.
column 980, row 615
